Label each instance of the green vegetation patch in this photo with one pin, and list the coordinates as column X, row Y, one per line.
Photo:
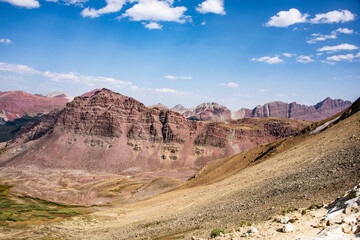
column 216, row 232
column 244, row 224
column 9, row 129
column 288, row 210
column 11, row 210
column 315, row 206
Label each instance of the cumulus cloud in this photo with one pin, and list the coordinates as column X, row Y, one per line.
column 211, row 6
column 293, row 16
column 156, row 10
column 304, row 59
column 289, row 55
column 153, row 25
column 287, row 18
column 269, row 60
column 23, row 3
column 344, row 46
column 230, row 84
column 347, row 57
column 333, row 17
column 5, row 40
column 171, row 77
column 111, row 7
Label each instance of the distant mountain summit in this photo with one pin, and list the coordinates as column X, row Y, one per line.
column 60, row 94
column 205, row 112
column 217, row 112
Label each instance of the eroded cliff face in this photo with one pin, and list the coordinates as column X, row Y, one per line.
column 109, row 132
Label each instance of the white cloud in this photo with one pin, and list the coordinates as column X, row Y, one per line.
column 328, row 62
column 267, row 59
column 287, row 18
column 73, row 2
column 320, row 37
column 345, row 30
column 111, row 7
column 316, row 37
column 289, row 55
column 333, row 17
column 5, row 40
column 203, row 23
column 230, row 84
column 153, row 25
column 211, row 6
column 84, row 79
column 185, row 77
column 17, row 68
column 304, row 59
column 71, row 77
column 348, row 57
column 171, row 77
column 23, row 3
column 165, row 90
column 344, row 46
column 156, row 10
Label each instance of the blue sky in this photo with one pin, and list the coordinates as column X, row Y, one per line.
column 236, row 53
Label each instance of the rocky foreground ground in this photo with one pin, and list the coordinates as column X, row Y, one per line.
column 337, row 220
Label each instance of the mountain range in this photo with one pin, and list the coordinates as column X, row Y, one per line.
column 118, row 134
column 217, row 112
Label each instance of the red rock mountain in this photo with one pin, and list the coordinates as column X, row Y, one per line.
column 15, row 104
column 109, row 132
column 216, row 112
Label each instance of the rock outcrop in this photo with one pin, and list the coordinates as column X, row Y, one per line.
column 113, row 133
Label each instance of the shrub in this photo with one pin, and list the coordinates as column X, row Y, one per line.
column 216, row 232
column 244, row 223
column 303, row 212
column 287, row 210
column 314, row 206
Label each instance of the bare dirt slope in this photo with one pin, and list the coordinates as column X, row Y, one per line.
column 302, row 170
